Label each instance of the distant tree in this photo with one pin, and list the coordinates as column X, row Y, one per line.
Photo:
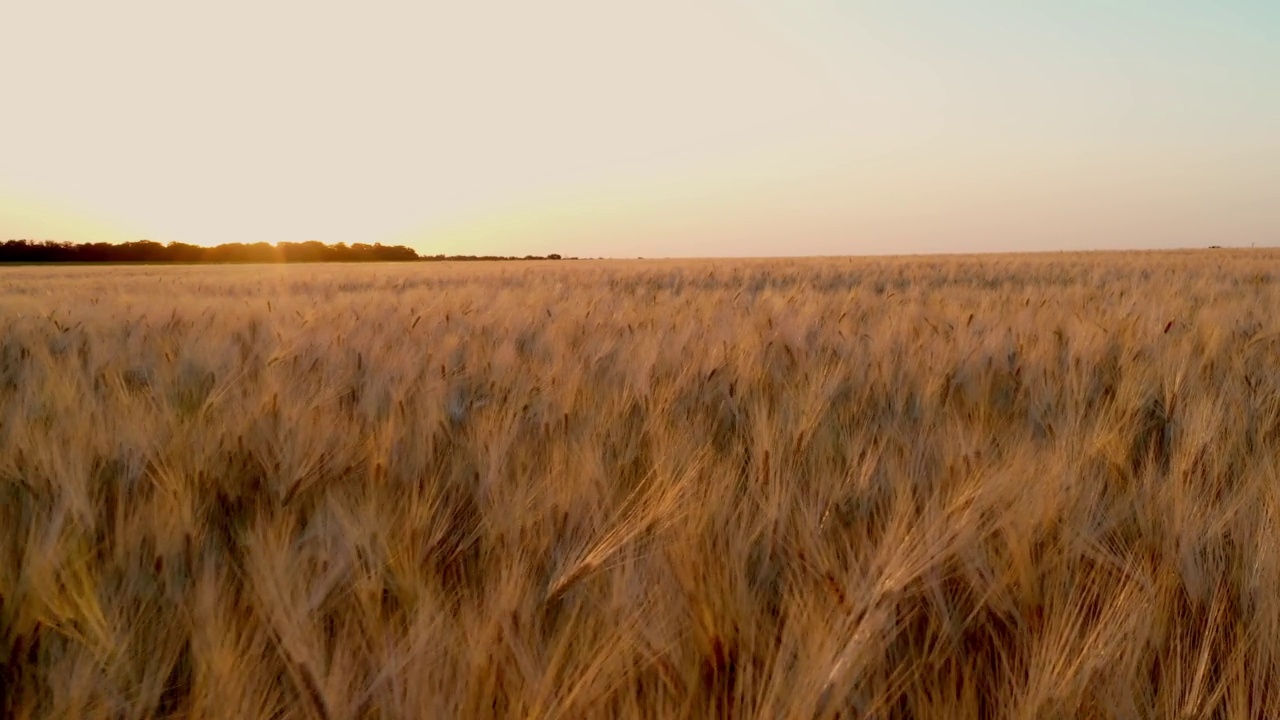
column 260, row 252
column 182, row 252
column 148, row 251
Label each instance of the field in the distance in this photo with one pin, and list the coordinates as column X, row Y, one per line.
column 1008, row 486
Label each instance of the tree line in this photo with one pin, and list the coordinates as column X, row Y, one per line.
column 148, row 251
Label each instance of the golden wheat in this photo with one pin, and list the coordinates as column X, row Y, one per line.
column 1007, row 486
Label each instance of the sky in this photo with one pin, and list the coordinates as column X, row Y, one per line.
column 654, row 128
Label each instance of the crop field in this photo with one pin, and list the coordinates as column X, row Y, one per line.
column 1037, row 486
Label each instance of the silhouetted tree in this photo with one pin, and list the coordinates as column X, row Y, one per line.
column 147, row 251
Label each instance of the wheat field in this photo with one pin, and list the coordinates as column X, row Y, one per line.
column 1040, row 486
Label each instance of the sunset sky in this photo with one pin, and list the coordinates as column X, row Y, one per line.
column 654, row 128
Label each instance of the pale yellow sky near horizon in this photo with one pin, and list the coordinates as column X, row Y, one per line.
column 661, row 128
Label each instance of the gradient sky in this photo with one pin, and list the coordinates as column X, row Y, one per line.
column 654, row 128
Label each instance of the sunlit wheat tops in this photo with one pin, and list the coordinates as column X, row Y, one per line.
column 1026, row 487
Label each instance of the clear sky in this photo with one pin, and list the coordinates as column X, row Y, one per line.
column 644, row 128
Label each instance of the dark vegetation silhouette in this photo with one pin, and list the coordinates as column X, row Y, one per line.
column 148, row 251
